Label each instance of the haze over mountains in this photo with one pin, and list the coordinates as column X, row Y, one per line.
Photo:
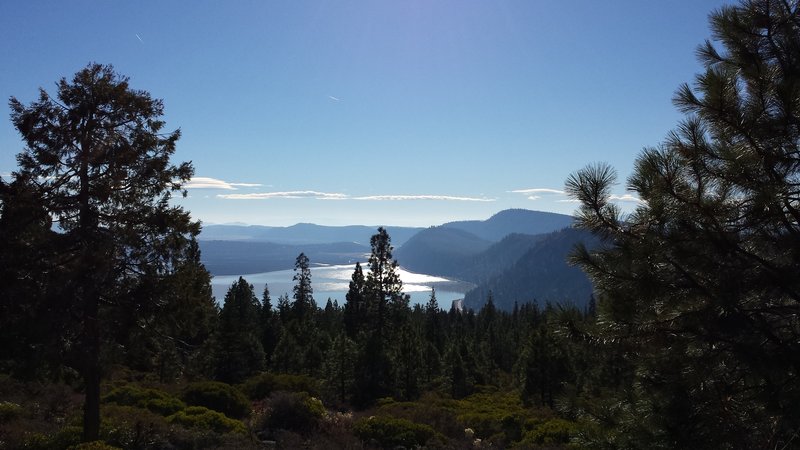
column 518, row 255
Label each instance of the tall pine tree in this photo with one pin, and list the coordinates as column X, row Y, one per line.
column 703, row 279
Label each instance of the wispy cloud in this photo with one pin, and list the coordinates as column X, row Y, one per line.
column 287, row 194
column 423, row 197
column 538, row 193
column 615, row 198
column 316, row 195
column 139, row 38
column 535, row 191
column 336, row 99
column 626, row 198
column 214, row 183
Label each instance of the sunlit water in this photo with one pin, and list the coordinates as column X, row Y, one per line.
column 333, row 281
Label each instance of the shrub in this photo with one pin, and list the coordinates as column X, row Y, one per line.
column 157, row 401
column 294, row 411
column 264, row 384
column 218, row 396
column 63, row 438
column 133, row 427
column 94, row 445
column 9, row 411
column 554, row 431
column 204, row 419
column 429, row 410
column 389, row 432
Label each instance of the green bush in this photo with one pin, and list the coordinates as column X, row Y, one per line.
column 9, row 411
column 554, row 431
column 389, row 432
column 436, row 412
column 204, row 419
column 94, row 445
column 294, row 411
column 157, row 401
column 133, row 427
column 218, row 396
column 262, row 385
column 64, row 438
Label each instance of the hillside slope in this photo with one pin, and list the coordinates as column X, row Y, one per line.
column 521, row 221
column 440, row 251
column 541, row 274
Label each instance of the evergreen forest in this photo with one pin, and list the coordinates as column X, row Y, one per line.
column 110, row 336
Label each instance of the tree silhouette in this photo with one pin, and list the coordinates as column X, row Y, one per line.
column 98, row 158
column 702, row 279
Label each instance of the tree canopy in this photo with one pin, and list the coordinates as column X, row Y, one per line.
column 701, row 281
column 97, row 163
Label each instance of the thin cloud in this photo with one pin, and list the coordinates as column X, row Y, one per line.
column 316, row 195
column 535, row 191
column 287, row 194
column 336, row 99
column 618, row 198
column 626, row 198
column 423, row 197
column 534, row 197
column 214, row 183
column 139, row 38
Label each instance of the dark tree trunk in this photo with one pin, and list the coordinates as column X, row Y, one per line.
column 91, row 371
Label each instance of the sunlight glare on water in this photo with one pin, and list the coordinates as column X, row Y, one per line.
column 333, row 282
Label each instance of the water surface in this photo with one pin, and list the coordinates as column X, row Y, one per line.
column 332, row 282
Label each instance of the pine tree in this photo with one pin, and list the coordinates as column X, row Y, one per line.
column 701, row 281
column 387, row 309
column 339, row 367
column 270, row 325
column 238, row 350
column 304, row 305
column 355, row 308
column 98, row 159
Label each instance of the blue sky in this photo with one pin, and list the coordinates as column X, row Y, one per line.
column 411, row 112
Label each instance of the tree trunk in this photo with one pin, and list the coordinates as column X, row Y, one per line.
column 91, row 374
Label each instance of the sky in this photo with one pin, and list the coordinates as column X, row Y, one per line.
column 376, row 112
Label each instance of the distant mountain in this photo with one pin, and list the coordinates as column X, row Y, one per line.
column 541, row 274
column 521, row 221
column 439, row 250
column 463, row 249
column 497, row 258
column 303, row 233
column 243, row 257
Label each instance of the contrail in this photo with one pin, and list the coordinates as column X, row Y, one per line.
column 139, row 38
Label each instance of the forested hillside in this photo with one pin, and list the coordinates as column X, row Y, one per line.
column 541, row 274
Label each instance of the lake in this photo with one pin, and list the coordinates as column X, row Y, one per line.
column 333, row 281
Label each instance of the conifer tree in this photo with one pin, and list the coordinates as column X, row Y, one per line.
column 99, row 160
column 304, row 305
column 238, row 349
column 355, row 308
column 702, row 279
column 270, row 325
